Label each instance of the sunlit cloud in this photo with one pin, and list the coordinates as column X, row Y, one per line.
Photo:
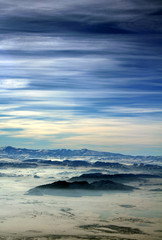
column 86, row 131
column 13, row 83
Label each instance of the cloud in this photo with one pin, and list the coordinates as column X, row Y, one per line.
column 74, row 62
column 134, row 110
column 90, row 17
column 86, row 131
column 13, row 83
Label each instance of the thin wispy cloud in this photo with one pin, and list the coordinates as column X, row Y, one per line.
column 68, row 61
column 13, row 83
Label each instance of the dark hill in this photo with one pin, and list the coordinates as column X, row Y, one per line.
column 103, row 185
column 92, row 177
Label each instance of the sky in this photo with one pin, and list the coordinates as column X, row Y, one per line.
column 81, row 74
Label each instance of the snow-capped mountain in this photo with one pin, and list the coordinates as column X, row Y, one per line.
column 83, row 154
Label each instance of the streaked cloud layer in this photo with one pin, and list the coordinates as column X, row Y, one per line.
column 81, row 74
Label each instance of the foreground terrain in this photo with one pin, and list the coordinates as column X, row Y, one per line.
column 80, row 213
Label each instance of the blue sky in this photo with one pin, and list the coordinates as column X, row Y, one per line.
column 81, row 74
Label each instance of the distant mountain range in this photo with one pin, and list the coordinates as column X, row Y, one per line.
column 100, row 165
column 23, row 154
column 83, row 159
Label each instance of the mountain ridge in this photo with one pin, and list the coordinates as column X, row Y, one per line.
column 68, row 153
